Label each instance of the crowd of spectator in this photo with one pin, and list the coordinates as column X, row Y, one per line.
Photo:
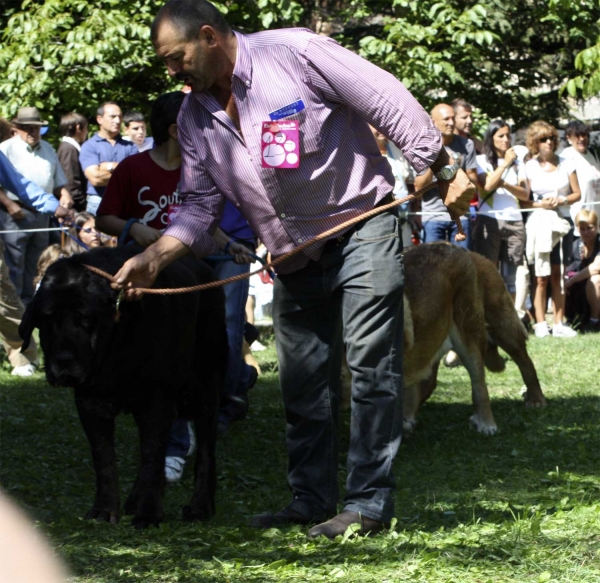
column 535, row 216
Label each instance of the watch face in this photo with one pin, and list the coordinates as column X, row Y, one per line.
column 447, row 172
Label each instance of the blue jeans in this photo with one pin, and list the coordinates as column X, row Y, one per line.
column 445, row 231
column 180, row 441
column 352, row 296
column 22, row 250
column 236, row 294
column 93, row 202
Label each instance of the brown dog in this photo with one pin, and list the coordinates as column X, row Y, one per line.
column 456, row 299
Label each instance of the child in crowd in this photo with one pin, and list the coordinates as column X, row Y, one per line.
column 135, row 130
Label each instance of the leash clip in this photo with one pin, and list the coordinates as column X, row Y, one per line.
column 118, row 307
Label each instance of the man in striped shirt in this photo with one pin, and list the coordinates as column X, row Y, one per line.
column 350, row 286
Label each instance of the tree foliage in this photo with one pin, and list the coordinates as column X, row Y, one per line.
column 510, row 59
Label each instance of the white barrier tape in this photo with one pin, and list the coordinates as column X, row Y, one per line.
column 31, row 230
column 433, row 213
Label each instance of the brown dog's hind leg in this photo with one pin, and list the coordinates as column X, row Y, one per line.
column 100, row 431
column 515, row 346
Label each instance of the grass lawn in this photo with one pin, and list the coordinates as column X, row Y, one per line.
column 523, row 505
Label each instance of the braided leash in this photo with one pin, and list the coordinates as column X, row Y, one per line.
column 325, row 235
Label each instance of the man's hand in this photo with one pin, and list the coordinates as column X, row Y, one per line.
column 14, row 210
column 457, row 193
column 241, row 253
column 142, row 270
column 66, row 199
column 143, row 234
column 64, row 214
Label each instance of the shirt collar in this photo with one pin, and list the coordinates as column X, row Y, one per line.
column 243, row 60
column 72, row 141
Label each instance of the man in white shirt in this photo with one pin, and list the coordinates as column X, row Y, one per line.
column 37, row 161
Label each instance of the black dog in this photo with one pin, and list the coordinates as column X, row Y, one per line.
column 165, row 356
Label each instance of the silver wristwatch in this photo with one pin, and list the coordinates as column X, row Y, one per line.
column 447, row 172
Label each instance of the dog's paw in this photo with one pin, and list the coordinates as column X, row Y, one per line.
column 200, row 512
column 111, row 517
column 484, row 427
column 534, row 399
column 141, row 522
column 408, row 426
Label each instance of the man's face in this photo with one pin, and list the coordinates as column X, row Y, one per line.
column 464, row 120
column 29, row 133
column 443, row 119
column 189, row 61
column 110, row 122
column 136, row 130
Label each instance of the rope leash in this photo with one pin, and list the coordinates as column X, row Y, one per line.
column 325, row 235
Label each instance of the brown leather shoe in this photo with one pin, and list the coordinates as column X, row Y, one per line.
column 340, row 523
column 283, row 518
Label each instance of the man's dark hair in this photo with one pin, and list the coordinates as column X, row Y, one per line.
column 100, row 110
column 488, row 141
column 132, row 116
column 164, row 114
column 189, row 16
column 69, row 122
column 456, row 103
column 577, row 128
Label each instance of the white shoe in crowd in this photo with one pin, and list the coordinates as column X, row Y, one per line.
column 541, row 329
column 174, row 468
column 26, row 370
column 452, row 359
column 256, row 346
column 563, row 331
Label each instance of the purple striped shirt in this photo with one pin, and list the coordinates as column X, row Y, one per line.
column 341, row 173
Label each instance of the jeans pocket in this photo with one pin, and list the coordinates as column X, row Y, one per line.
column 378, row 228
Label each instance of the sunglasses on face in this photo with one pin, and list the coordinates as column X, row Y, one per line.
column 547, row 139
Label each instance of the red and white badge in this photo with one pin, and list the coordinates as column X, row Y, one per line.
column 280, row 144
column 173, row 210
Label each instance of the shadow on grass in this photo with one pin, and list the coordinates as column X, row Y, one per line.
column 541, row 463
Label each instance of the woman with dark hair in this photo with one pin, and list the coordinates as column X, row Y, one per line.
column 499, row 233
column 587, row 166
column 553, row 182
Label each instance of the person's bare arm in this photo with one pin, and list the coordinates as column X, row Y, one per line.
column 99, row 175
column 575, row 190
column 141, row 234
column 142, row 270
column 424, row 179
column 592, row 269
column 13, row 209
column 240, row 252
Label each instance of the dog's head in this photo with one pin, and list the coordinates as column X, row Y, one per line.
column 74, row 310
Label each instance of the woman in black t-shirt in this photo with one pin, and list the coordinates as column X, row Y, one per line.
column 583, row 275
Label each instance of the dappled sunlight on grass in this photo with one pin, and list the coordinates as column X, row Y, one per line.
column 523, row 505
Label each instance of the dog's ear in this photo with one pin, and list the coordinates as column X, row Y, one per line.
column 29, row 321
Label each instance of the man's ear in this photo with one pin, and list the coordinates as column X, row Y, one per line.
column 29, row 321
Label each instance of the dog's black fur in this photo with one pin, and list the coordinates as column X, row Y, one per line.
column 165, row 357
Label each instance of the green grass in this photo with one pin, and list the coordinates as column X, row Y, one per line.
column 523, row 505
